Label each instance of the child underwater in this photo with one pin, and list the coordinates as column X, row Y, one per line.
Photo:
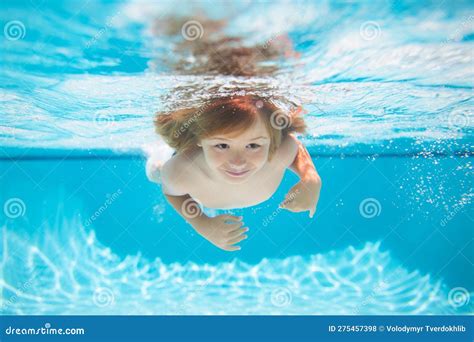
column 232, row 152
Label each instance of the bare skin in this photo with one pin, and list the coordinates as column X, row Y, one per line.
column 231, row 171
column 234, row 171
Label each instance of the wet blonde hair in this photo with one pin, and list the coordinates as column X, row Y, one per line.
column 183, row 129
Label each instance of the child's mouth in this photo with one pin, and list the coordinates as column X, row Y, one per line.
column 236, row 174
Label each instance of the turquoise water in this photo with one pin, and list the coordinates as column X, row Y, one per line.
column 388, row 90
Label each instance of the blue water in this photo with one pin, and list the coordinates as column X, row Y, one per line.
column 389, row 93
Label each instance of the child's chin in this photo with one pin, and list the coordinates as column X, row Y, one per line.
column 236, row 180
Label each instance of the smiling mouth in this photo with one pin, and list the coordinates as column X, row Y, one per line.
column 236, row 174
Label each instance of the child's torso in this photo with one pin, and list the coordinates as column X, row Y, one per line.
column 219, row 194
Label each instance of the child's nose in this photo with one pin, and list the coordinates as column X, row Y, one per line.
column 237, row 160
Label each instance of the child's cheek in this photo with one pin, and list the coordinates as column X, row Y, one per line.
column 217, row 158
column 259, row 157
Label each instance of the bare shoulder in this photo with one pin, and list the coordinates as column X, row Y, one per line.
column 287, row 151
column 178, row 174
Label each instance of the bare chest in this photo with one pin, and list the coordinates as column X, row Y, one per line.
column 222, row 195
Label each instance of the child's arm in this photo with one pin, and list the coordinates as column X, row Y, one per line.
column 224, row 231
column 304, row 195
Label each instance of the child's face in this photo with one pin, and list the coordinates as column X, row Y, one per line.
column 235, row 158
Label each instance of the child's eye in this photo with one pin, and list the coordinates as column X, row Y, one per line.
column 253, row 146
column 221, row 146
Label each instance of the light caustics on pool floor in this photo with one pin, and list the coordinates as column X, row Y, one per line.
column 67, row 271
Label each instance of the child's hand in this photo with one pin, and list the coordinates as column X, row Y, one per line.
column 224, row 231
column 303, row 196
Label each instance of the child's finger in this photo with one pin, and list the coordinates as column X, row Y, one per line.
column 232, row 218
column 237, row 232
column 237, row 239
column 294, row 210
column 232, row 226
column 314, row 209
column 291, row 205
column 286, row 203
column 232, row 248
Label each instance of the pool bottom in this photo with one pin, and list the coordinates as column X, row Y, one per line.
column 66, row 270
